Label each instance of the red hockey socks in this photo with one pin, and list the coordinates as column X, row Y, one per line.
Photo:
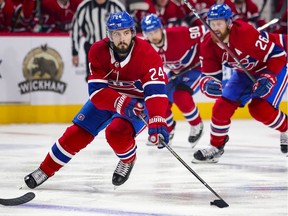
column 222, row 112
column 264, row 112
column 72, row 141
column 122, row 141
column 184, row 101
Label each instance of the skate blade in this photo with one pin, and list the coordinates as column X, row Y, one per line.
column 214, row 160
column 193, row 144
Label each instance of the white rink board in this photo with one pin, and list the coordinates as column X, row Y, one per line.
column 13, row 51
column 12, row 54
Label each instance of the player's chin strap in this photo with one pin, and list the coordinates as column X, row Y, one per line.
column 220, row 202
column 219, row 41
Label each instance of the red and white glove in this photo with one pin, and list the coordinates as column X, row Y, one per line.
column 211, row 87
column 128, row 107
column 264, row 85
column 158, row 131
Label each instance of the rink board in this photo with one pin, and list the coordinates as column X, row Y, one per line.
column 39, row 84
column 65, row 113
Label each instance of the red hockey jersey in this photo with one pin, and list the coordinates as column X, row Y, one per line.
column 140, row 75
column 58, row 18
column 168, row 14
column 256, row 52
column 181, row 53
column 6, row 15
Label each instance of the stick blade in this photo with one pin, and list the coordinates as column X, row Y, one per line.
column 219, row 203
column 18, row 200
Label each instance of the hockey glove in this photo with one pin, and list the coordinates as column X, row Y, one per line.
column 264, row 85
column 158, row 131
column 211, row 87
column 129, row 107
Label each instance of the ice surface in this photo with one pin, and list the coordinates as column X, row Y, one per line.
column 251, row 176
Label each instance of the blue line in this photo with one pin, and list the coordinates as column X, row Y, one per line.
column 93, row 210
column 256, row 168
column 265, row 188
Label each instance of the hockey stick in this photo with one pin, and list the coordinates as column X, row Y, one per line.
column 18, row 200
column 171, row 86
column 219, row 41
column 219, row 203
column 38, row 15
column 262, row 8
column 183, row 72
column 273, row 21
column 282, row 10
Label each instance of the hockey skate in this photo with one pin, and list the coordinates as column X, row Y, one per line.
column 35, row 178
column 171, row 136
column 210, row 154
column 195, row 134
column 122, row 172
column 284, row 142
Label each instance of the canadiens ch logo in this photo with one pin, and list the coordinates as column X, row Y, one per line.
column 116, row 64
column 42, row 69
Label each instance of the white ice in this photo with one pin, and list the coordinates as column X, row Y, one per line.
column 251, row 176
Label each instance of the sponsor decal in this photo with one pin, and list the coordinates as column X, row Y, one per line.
column 42, row 69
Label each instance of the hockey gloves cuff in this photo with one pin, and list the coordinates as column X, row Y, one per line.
column 211, row 87
column 158, row 131
column 128, row 107
column 264, row 85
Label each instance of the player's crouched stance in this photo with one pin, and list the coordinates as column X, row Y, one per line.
column 127, row 79
column 264, row 56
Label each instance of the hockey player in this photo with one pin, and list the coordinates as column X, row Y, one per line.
column 7, row 11
column 248, row 11
column 126, row 79
column 264, row 58
column 202, row 7
column 57, row 15
column 182, row 60
column 23, row 20
column 170, row 13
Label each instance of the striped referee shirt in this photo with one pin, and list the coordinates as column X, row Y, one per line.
column 90, row 21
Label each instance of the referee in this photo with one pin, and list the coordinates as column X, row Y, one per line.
column 90, row 21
